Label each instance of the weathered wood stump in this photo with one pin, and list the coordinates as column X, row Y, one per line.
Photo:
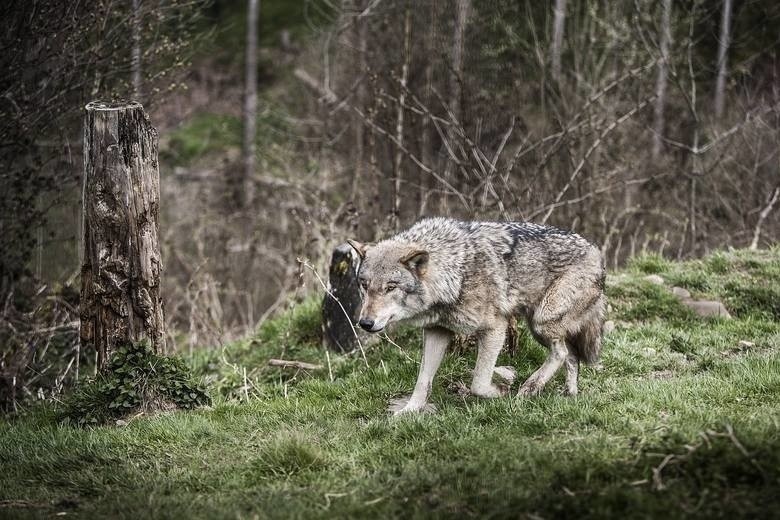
column 120, row 271
column 341, row 306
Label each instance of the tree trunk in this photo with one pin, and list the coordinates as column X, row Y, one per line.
column 360, row 30
column 426, row 142
column 120, row 270
column 456, row 83
column 135, row 59
column 245, row 188
column 660, row 84
column 559, row 24
column 399, row 122
column 723, row 49
column 341, row 305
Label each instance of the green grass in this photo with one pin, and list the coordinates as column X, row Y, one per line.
column 682, row 420
column 205, row 133
column 207, row 136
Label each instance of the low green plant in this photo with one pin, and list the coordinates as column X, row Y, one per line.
column 136, row 379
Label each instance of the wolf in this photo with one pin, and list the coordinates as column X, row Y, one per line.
column 472, row 278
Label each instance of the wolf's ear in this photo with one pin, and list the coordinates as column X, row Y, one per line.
column 359, row 248
column 416, row 261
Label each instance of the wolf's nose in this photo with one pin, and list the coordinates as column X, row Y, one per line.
column 366, row 323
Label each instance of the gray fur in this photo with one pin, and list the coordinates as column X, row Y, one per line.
column 472, row 278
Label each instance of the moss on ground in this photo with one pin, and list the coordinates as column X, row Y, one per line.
column 681, row 420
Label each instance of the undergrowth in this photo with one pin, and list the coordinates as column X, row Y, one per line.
column 136, row 379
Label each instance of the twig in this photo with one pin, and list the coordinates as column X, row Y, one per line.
column 762, row 216
column 346, row 314
column 300, row 365
column 592, row 148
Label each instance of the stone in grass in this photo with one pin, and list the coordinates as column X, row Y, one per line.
column 608, row 327
column 681, row 293
column 654, row 279
column 708, row 309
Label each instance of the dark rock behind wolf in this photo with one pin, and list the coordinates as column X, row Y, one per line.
column 452, row 277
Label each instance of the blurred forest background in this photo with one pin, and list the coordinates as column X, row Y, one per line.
column 644, row 125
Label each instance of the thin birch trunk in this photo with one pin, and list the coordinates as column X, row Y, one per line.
column 723, row 51
column 456, row 80
column 245, row 190
column 425, row 180
column 559, row 24
column 661, row 81
column 360, row 30
column 399, row 125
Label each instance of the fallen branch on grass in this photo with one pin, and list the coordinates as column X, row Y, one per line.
column 300, row 365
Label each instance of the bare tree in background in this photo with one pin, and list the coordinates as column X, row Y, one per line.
column 661, row 81
column 399, row 128
column 244, row 191
column 559, row 22
column 723, row 50
column 456, row 76
column 135, row 60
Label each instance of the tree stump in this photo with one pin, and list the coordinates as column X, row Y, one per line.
column 341, row 306
column 120, row 270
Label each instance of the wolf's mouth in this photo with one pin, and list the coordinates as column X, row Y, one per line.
column 380, row 329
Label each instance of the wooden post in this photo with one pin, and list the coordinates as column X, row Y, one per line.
column 341, row 305
column 120, row 270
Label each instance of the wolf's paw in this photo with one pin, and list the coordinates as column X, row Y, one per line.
column 570, row 391
column 529, row 389
column 401, row 406
column 490, row 392
column 507, row 374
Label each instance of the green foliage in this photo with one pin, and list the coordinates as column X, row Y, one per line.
column 642, row 300
column 648, row 264
column 203, row 134
column 136, row 378
column 750, row 298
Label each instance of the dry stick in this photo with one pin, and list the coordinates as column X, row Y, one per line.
column 346, row 314
column 590, row 150
column 300, row 365
column 762, row 216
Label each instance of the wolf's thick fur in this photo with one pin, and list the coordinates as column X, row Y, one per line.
column 472, row 278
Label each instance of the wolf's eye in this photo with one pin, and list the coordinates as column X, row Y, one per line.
column 390, row 288
column 363, row 284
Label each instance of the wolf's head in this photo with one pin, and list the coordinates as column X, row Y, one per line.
column 391, row 276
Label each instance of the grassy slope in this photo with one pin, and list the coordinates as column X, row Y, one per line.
column 681, row 419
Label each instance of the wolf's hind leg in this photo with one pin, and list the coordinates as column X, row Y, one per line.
column 490, row 344
column 552, row 364
column 435, row 341
column 572, row 373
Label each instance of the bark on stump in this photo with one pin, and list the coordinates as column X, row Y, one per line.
column 120, row 270
column 338, row 332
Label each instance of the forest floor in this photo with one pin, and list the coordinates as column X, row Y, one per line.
column 682, row 420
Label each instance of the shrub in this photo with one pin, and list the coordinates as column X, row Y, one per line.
column 136, row 379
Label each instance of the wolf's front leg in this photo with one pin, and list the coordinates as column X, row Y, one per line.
column 435, row 341
column 490, row 344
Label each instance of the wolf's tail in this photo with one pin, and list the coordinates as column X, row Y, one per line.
column 586, row 343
